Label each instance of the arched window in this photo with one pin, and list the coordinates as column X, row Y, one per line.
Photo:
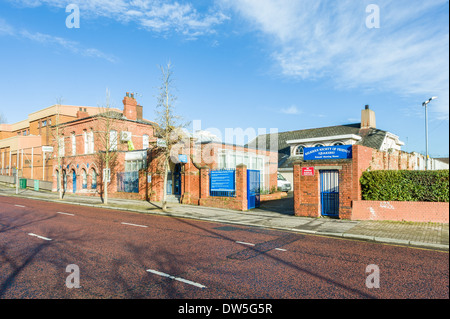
column 64, row 180
column 338, row 144
column 94, row 179
column 84, row 177
column 299, row 150
column 318, row 145
column 58, row 181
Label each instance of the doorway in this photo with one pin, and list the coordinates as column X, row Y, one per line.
column 329, row 193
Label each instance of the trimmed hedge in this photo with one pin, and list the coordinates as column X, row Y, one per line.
column 415, row 186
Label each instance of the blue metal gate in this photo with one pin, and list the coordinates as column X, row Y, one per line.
column 253, row 188
column 329, row 193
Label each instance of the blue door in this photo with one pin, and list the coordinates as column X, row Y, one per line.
column 253, row 188
column 174, row 181
column 329, row 193
column 74, row 179
column 177, row 180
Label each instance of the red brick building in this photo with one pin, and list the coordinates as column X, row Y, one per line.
column 136, row 172
column 332, row 188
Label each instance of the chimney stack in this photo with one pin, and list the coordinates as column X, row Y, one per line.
column 368, row 118
column 130, row 109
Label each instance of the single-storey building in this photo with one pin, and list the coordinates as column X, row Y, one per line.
column 291, row 144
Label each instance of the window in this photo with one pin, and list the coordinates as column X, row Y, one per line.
column 44, row 123
column 260, row 165
column 85, row 139
column 253, row 163
column 231, row 160
column 94, row 180
column 84, row 178
column 58, row 180
column 113, row 140
column 239, row 159
column 134, row 166
column 74, row 144
column 228, row 159
column 318, row 145
column 145, row 142
column 61, row 147
column 91, row 142
column 299, row 150
column 338, row 144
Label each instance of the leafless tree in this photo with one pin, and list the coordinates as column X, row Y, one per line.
column 59, row 146
column 2, row 118
column 106, row 135
column 169, row 128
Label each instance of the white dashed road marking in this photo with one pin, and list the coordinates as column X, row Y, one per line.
column 61, row 213
column 44, row 238
column 175, row 278
column 134, row 225
column 244, row 243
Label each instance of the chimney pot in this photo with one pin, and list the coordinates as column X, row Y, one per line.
column 367, row 107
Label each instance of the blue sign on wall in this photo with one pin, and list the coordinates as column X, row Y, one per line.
column 183, row 159
column 327, row 152
column 222, row 181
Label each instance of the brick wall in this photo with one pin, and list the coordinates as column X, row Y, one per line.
column 239, row 202
column 273, row 196
column 307, row 188
column 401, row 211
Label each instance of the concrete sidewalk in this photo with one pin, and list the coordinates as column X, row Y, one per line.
column 425, row 235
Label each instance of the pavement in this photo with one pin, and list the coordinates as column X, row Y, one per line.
column 272, row 215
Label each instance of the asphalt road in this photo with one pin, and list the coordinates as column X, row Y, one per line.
column 129, row 255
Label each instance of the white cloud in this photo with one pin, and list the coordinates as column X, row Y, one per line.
column 5, row 28
column 292, row 110
column 46, row 39
column 408, row 54
column 158, row 16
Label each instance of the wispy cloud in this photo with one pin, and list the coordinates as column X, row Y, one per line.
column 407, row 55
column 5, row 28
column 158, row 16
column 292, row 110
column 55, row 41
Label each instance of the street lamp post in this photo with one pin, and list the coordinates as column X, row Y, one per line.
column 425, row 104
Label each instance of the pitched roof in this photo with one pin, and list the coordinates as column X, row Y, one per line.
column 371, row 137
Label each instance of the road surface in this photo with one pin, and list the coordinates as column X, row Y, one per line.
column 46, row 247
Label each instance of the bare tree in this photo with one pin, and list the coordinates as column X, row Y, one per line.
column 106, row 131
column 59, row 142
column 169, row 128
column 2, row 118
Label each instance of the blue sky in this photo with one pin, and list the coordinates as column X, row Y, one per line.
column 258, row 64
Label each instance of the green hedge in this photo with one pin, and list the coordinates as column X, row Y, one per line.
column 415, row 186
